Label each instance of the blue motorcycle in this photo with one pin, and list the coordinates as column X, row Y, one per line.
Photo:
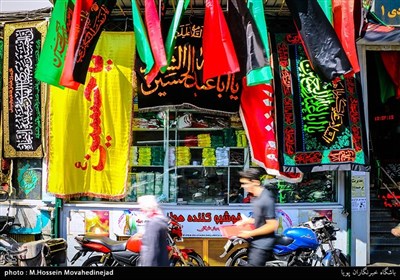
column 303, row 245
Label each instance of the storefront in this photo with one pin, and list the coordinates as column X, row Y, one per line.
column 201, row 192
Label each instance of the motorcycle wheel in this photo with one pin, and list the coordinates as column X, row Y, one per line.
column 96, row 262
column 194, row 259
column 343, row 261
column 238, row 258
column 339, row 261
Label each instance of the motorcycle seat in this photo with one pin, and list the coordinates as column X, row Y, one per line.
column 113, row 245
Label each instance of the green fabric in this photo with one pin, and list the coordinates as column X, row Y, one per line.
column 171, row 38
column 326, row 6
column 264, row 74
column 52, row 56
column 141, row 38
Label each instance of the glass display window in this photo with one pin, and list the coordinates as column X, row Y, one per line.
column 188, row 157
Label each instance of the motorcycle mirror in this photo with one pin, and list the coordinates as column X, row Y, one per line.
column 4, row 195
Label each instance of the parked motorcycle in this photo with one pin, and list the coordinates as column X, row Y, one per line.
column 104, row 251
column 303, row 245
column 45, row 252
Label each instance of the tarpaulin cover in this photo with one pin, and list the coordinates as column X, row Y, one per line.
column 89, row 131
column 320, row 41
column 320, row 126
column 373, row 32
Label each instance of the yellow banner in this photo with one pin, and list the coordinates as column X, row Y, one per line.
column 90, row 128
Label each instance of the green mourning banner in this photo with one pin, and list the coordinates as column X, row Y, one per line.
column 52, row 58
column 320, row 126
column 23, row 95
column 181, row 84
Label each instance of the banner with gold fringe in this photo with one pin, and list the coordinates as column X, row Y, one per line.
column 320, row 126
column 23, row 95
column 90, row 129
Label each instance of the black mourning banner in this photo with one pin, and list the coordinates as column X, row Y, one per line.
column 320, row 126
column 23, row 95
column 181, row 85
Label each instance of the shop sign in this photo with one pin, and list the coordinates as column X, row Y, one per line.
column 388, row 11
column 195, row 222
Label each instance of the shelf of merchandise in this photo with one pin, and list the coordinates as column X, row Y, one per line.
column 173, row 166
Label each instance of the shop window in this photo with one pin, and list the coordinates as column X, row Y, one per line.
column 316, row 187
column 189, row 157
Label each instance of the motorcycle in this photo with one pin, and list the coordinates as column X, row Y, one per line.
column 104, row 251
column 44, row 252
column 303, row 245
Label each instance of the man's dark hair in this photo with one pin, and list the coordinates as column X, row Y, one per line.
column 252, row 173
column 258, row 173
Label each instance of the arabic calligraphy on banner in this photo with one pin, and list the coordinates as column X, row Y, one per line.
column 320, row 126
column 181, row 84
column 23, row 95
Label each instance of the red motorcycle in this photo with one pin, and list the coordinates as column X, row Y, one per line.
column 104, row 251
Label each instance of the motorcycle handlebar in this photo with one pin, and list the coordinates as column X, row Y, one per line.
column 318, row 222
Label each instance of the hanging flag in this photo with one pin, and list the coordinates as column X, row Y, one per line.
column 246, row 38
column 171, row 38
column 79, row 17
column 218, row 50
column 326, row 6
column 257, row 115
column 343, row 14
column 89, row 153
column 52, row 56
column 391, row 60
column 156, row 40
column 141, row 38
column 387, row 88
column 99, row 14
column 264, row 74
column 322, row 45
